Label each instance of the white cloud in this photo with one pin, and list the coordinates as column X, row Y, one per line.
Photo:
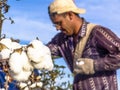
column 103, row 12
column 27, row 29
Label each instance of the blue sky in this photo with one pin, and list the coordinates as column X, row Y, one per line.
column 31, row 18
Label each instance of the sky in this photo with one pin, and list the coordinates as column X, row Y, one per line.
column 32, row 20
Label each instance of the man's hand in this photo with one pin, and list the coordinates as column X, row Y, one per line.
column 84, row 66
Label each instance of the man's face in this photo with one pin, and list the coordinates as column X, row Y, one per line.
column 62, row 23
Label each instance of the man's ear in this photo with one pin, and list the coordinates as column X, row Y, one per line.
column 70, row 15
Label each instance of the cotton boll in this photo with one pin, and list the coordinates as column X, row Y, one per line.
column 22, row 85
column 45, row 64
column 46, row 50
column 36, row 43
column 7, row 47
column 33, row 85
column 10, row 44
column 39, row 84
column 40, row 55
column 5, row 53
column 48, row 63
column 20, row 66
column 15, row 45
column 21, row 76
column 36, row 84
column 29, row 82
column 6, row 41
column 18, row 62
column 26, row 88
column 38, row 65
column 34, row 54
column 48, row 59
column 35, row 51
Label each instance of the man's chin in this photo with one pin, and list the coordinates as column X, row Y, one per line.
column 66, row 33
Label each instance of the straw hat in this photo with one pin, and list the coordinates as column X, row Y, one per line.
column 62, row 6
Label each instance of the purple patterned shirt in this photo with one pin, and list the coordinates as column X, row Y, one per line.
column 103, row 46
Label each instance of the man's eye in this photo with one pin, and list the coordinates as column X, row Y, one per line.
column 57, row 24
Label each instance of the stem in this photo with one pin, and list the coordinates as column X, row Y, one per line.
column 1, row 21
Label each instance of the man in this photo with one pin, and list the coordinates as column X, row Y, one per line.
column 92, row 52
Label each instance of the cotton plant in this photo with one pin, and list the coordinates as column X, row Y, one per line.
column 4, row 48
column 7, row 45
column 23, row 59
column 4, row 52
column 17, row 59
column 20, row 66
column 39, row 55
column 30, row 85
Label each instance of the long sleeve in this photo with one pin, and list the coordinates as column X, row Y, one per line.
column 108, row 45
column 54, row 46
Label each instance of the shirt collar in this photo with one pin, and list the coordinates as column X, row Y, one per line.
column 82, row 30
